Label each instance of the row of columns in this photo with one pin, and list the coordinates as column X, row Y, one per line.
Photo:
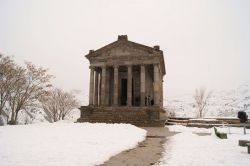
column 101, row 88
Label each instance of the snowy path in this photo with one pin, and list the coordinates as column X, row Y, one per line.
column 146, row 153
column 187, row 148
column 64, row 144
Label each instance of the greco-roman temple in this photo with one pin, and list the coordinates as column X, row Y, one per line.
column 126, row 84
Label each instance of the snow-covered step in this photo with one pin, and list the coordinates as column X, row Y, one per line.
column 202, row 125
column 175, row 123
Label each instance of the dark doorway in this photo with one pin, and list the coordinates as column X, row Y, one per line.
column 124, row 92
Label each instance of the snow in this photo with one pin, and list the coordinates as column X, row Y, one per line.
column 224, row 103
column 188, row 148
column 203, row 119
column 180, row 128
column 65, row 143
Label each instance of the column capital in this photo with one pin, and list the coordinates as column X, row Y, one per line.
column 156, row 64
column 97, row 69
column 116, row 66
column 142, row 67
column 91, row 67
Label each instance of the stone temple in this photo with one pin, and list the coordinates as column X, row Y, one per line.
column 126, row 84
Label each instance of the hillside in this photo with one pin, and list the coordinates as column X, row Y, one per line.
column 222, row 103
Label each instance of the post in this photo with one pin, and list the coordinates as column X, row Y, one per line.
column 116, row 69
column 91, row 86
column 156, row 85
column 244, row 126
column 129, row 87
column 103, row 86
column 142, row 89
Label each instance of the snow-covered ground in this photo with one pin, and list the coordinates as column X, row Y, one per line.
column 188, row 148
column 64, row 144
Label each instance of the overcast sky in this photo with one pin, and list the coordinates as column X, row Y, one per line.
column 205, row 42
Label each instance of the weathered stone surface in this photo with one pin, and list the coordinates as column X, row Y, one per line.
column 136, row 116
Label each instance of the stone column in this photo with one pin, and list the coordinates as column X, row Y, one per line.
column 100, row 88
column 103, row 86
column 107, row 87
column 91, row 86
column 96, row 87
column 156, row 85
column 115, row 98
column 129, row 87
column 142, row 89
column 161, row 90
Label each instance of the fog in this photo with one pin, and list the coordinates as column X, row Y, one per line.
column 205, row 42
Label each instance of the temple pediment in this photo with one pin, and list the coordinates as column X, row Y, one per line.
column 124, row 51
column 123, row 47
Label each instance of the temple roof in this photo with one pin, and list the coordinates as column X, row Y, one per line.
column 123, row 41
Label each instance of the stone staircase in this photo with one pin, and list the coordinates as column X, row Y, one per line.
column 135, row 117
column 205, row 122
column 177, row 121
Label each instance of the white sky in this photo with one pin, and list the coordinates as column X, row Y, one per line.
column 205, row 42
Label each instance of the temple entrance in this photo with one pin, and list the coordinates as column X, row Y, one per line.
column 124, row 92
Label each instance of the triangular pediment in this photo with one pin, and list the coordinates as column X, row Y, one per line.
column 122, row 48
column 125, row 52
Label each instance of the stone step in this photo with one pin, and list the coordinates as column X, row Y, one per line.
column 145, row 123
column 138, row 117
column 202, row 125
column 177, row 121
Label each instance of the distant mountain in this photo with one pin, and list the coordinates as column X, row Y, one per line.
column 221, row 104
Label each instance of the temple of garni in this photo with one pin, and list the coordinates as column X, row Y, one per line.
column 126, row 84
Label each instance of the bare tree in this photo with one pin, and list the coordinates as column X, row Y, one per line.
column 31, row 83
column 50, row 105
column 201, row 100
column 22, row 88
column 7, row 79
column 58, row 104
column 70, row 103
